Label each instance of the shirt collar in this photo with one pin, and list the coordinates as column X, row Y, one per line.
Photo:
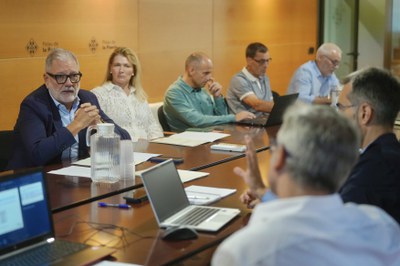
column 111, row 86
column 186, row 86
column 249, row 75
column 316, row 69
column 378, row 139
column 59, row 105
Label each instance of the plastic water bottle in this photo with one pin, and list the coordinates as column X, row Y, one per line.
column 127, row 161
column 104, row 153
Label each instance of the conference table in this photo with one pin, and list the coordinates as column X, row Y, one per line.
column 71, row 191
column 134, row 232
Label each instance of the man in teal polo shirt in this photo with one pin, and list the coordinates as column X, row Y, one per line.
column 195, row 99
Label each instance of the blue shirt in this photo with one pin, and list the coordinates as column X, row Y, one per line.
column 186, row 107
column 66, row 118
column 269, row 196
column 310, row 83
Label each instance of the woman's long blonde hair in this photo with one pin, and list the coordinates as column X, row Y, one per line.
column 135, row 80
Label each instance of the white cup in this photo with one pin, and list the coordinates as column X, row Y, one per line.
column 127, row 162
column 334, row 95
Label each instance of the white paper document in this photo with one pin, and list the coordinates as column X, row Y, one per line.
column 82, row 171
column 138, row 157
column 190, row 138
column 208, row 136
column 201, row 195
column 185, row 175
column 73, row 170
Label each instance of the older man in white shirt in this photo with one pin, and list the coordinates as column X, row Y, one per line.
column 302, row 220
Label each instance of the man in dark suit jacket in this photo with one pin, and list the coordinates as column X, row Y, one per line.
column 53, row 119
column 372, row 98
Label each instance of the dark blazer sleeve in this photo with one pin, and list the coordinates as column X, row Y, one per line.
column 39, row 135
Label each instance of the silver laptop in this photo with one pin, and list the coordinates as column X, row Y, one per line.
column 274, row 118
column 171, row 206
column 26, row 226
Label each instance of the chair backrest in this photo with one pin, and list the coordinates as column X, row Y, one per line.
column 6, row 147
column 163, row 119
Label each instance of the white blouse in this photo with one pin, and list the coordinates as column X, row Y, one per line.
column 127, row 111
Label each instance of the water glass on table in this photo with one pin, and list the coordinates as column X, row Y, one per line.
column 127, row 162
column 334, row 95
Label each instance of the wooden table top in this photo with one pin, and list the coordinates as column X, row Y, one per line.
column 135, row 233
column 71, row 191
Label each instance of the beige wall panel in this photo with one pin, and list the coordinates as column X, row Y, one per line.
column 168, row 32
column 159, row 74
column 77, row 25
column 18, row 78
column 70, row 24
column 94, row 70
column 287, row 27
column 162, row 32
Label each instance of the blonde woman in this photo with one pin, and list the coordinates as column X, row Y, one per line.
column 123, row 99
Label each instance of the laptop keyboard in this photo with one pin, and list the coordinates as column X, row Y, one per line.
column 45, row 254
column 195, row 216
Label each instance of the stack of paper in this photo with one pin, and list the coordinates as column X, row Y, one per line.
column 138, row 157
column 191, row 139
column 184, row 175
column 200, row 195
column 73, row 170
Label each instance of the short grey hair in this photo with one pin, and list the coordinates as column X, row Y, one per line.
column 327, row 48
column 321, row 146
column 59, row 54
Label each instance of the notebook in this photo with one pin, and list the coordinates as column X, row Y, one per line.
column 170, row 203
column 26, row 228
column 274, row 118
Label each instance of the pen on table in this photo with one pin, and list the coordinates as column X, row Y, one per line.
column 197, row 197
column 121, row 206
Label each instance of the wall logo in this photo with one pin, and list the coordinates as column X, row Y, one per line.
column 93, row 45
column 109, row 44
column 31, row 47
column 49, row 46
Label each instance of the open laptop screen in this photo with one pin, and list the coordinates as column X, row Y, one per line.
column 24, row 211
column 165, row 190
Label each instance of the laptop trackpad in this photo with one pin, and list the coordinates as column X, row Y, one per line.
column 219, row 218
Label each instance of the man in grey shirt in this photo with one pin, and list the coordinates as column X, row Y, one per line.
column 250, row 89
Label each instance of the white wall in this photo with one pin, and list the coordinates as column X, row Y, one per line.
column 371, row 33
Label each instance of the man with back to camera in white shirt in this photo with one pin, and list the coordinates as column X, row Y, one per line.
column 301, row 219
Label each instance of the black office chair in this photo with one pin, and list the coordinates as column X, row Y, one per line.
column 6, row 147
column 163, row 119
